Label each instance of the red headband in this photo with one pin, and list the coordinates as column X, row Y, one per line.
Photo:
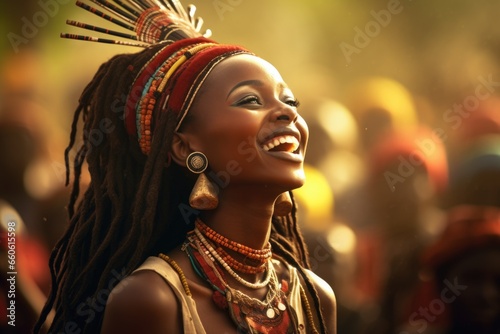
column 191, row 61
column 145, row 73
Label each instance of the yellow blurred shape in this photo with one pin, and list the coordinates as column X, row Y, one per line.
column 341, row 238
column 382, row 94
column 339, row 123
column 343, row 170
column 315, row 199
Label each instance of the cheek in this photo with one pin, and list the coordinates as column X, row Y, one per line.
column 304, row 129
column 302, row 125
column 232, row 142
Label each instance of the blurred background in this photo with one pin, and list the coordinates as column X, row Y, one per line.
column 401, row 98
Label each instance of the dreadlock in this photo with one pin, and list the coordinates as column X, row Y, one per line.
column 287, row 241
column 115, row 226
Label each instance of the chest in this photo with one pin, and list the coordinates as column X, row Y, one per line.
column 280, row 318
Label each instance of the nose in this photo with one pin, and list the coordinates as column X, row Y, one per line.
column 287, row 114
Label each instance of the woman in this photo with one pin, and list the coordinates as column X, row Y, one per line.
column 186, row 193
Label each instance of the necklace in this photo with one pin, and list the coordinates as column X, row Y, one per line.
column 255, row 254
column 251, row 315
column 284, row 288
column 208, row 247
column 238, row 266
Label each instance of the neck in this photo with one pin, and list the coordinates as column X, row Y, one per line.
column 243, row 216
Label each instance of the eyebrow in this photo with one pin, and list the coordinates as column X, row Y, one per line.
column 245, row 83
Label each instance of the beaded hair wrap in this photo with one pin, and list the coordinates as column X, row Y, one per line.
column 170, row 80
column 178, row 80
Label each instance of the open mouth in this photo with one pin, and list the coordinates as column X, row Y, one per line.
column 283, row 143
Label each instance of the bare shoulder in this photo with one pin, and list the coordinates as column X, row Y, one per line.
column 142, row 303
column 328, row 301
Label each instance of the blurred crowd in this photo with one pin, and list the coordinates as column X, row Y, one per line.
column 402, row 218
column 32, row 191
column 401, row 211
column 413, row 239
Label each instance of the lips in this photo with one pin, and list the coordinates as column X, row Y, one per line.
column 282, row 143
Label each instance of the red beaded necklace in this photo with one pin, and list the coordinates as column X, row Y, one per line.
column 273, row 315
column 260, row 256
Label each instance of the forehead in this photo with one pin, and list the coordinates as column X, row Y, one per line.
column 242, row 67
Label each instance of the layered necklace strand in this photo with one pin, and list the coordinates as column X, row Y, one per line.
column 228, row 268
column 204, row 248
column 256, row 254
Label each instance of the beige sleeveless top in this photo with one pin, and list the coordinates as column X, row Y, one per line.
column 191, row 321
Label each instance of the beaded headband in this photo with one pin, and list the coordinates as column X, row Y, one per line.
column 170, row 80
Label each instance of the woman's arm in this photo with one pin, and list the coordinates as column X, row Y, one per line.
column 142, row 303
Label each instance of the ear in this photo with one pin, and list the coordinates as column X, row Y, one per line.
column 180, row 148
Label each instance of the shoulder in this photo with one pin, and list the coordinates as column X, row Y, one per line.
column 142, row 303
column 327, row 300
column 326, row 295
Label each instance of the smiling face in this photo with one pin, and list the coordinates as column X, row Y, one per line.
column 245, row 120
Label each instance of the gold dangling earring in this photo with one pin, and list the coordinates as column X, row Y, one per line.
column 283, row 204
column 204, row 195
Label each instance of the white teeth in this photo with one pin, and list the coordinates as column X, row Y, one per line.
column 282, row 140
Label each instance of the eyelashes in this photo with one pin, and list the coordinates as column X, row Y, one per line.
column 294, row 103
column 256, row 101
column 249, row 100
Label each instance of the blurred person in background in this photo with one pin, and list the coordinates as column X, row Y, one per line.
column 475, row 175
column 29, row 186
column 407, row 172
column 29, row 148
column 23, row 274
column 380, row 105
column 468, row 250
column 335, row 151
column 331, row 244
column 472, row 125
column 459, row 291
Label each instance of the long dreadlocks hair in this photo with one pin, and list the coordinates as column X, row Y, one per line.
column 130, row 209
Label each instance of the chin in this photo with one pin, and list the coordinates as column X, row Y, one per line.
column 296, row 180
